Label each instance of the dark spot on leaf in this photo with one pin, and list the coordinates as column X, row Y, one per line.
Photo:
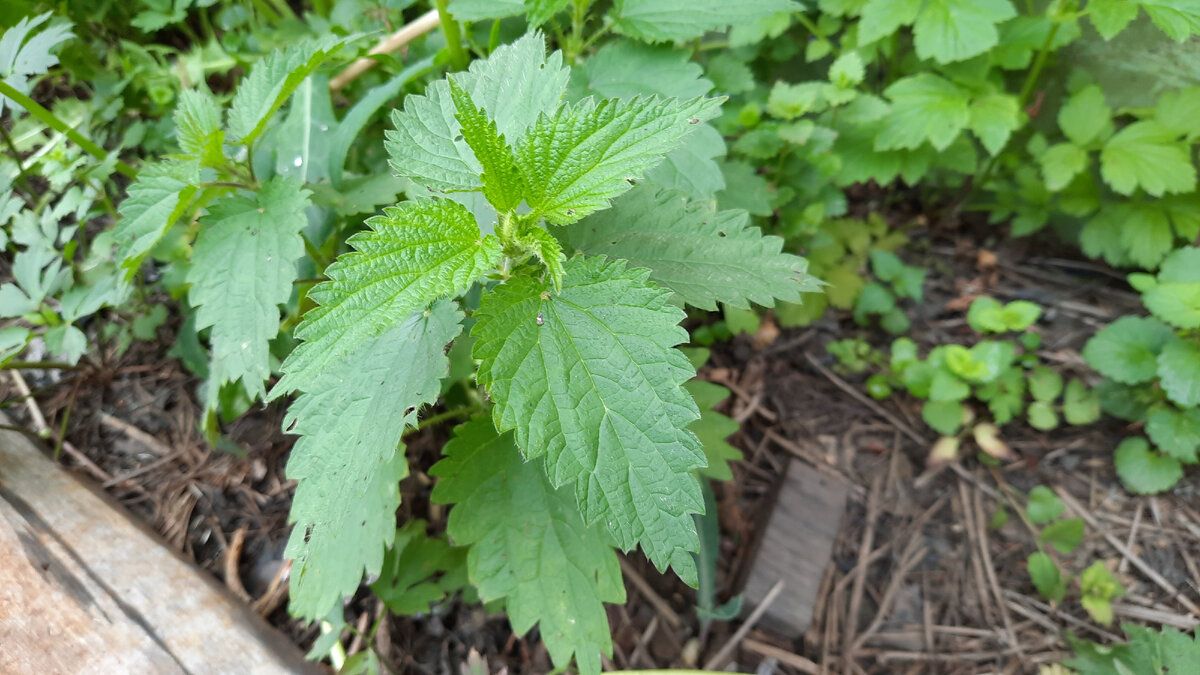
column 458, row 138
column 694, row 120
column 721, row 233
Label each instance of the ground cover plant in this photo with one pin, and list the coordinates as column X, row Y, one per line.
column 514, row 224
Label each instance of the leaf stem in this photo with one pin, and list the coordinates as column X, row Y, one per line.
column 51, row 120
column 456, row 413
column 453, row 33
column 15, row 154
column 40, row 365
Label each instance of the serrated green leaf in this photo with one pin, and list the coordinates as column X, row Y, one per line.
column 1127, row 349
column 537, row 12
column 1080, row 404
column 955, row 30
column 350, row 419
column 993, row 119
column 945, row 386
column 503, row 186
column 744, row 189
column 1085, row 115
column 514, row 85
column 1044, row 506
column 1098, row 586
column 198, row 127
column 1182, row 265
column 1046, row 577
column 12, row 341
column 547, row 249
column 1110, row 17
column 1179, row 19
column 713, row 428
column 586, row 154
column 1179, row 372
column 925, row 107
column 1146, row 154
column 407, row 581
column 1174, row 431
column 590, row 380
column 847, row 70
column 881, row 18
column 242, row 269
column 1064, row 535
column 679, row 20
column 1144, row 471
column 1176, row 302
column 1176, row 111
column 1146, row 233
column 22, row 57
column 529, row 545
column 155, row 200
column 271, row 82
column 788, row 101
column 1061, row 163
column 704, row 257
column 412, row 254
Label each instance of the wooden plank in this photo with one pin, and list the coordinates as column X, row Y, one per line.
column 84, row 588
column 796, row 547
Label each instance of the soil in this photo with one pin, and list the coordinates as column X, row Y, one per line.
column 920, row 580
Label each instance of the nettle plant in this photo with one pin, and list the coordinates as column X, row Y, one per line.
column 583, row 443
column 1152, row 370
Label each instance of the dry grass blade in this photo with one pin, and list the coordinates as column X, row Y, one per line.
column 861, row 398
column 726, row 649
column 664, row 610
column 411, row 31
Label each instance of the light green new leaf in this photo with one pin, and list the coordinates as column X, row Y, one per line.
column 680, row 20
column 1085, row 115
column 529, row 545
column 1146, row 154
column 1179, row 372
column 242, row 269
column 1176, row 302
column 1046, row 577
column 586, row 154
column 1176, row 431
column 514, row 85
column 198, row 127
column 591, row 381
column 502, row 184
column 925, row 107
column 1176, row 110
column 1110, row 17
column 1080, row 404
column 414, row 253
column 407, row 581
column 713, row 428
column 1044, row 506
column 1144, row 471
column 347, row 462
column 1127, row 349
column 1146, row 234
column 704, row 257
column 955, row 30
column 993, row 119
column 272, row 82
column 155, row 200
column 1061, row 163
column 1064, row 535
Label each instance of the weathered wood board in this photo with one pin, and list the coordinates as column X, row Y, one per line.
column 796, row 547
column 83, row 589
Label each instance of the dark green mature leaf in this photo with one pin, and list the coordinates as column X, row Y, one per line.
column 351, row 418
column 154, row 202
column 502, row 183
column 537, row 11
column 529, row 545
column 272, row 82
column 679, row 20
column 591, row 381
column 1179, row 372
column 242, row 269
column 944, row 30
column 1179, row 19
column 705, row 257
column 586, row 154
column 1147, row 652
column 514, row 85
column 1046, row 576
column 413, row 253
column 1127, row 349
column 1175, row 431
column 1110, row 17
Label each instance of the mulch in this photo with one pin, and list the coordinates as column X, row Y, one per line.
column 919, row 581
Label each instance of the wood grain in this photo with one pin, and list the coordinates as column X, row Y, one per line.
column 85, row 589
column 796, row 547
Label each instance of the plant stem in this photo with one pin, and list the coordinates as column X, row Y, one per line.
column 803, row 19
column 51, row 120
column 456, row 413
column 40, row 365
column 453, row 33
column 8, row 141
column 574, row 46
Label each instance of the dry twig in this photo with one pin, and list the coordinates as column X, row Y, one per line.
column 411, row 31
